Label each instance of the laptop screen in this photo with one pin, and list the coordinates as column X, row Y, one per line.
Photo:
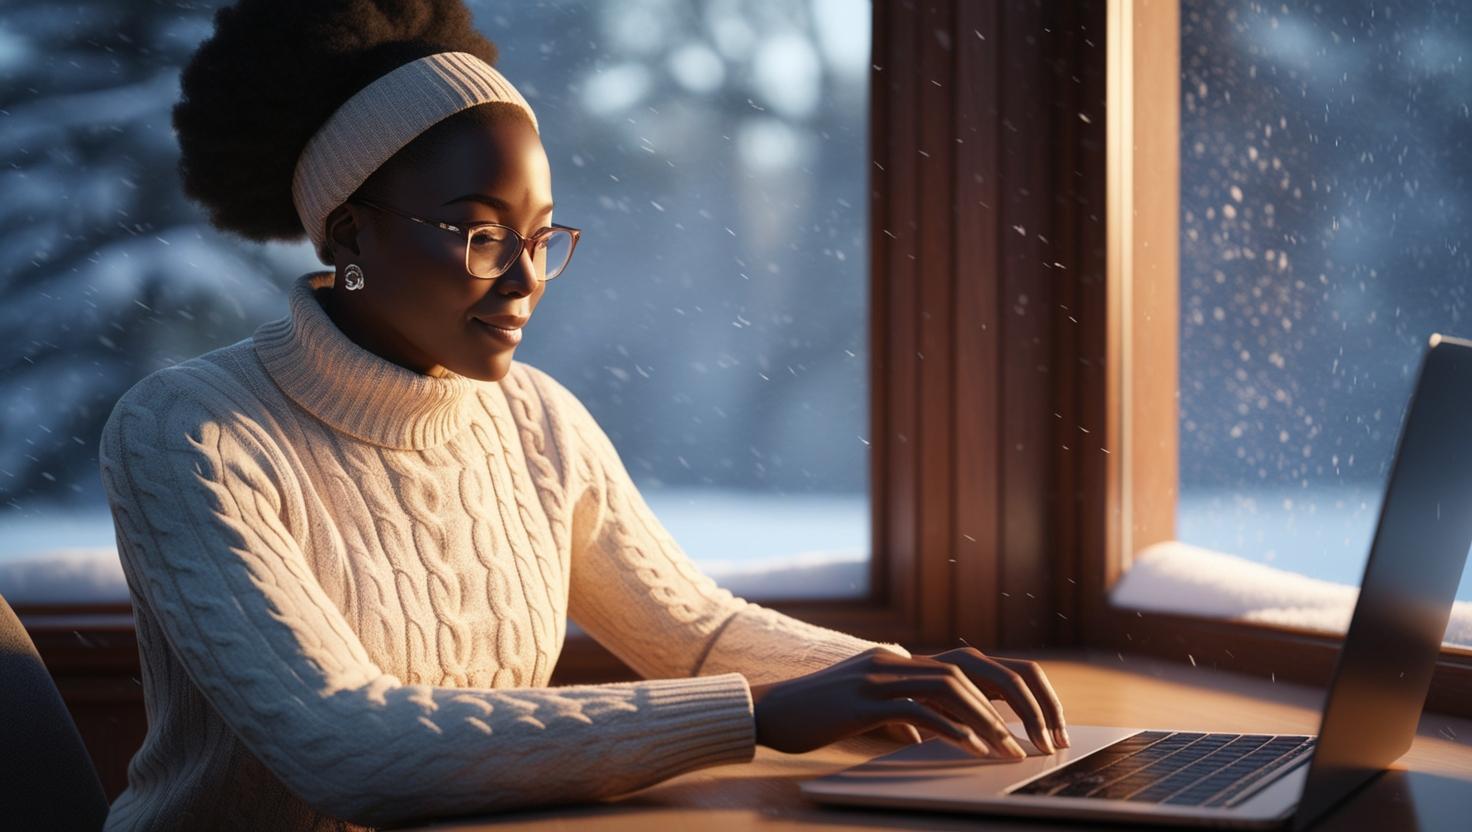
column 1384, row 672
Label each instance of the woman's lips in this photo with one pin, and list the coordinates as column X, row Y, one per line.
column 501, row 335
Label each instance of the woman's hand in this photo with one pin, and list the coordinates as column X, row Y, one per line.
column 945, row 694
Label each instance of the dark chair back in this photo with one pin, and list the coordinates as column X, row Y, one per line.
column 46, row 777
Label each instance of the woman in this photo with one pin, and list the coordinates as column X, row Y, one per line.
column 353, row 539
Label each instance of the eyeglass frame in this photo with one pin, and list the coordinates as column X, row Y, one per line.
column 470, row 228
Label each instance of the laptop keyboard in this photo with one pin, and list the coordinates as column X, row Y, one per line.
column 1174, row 767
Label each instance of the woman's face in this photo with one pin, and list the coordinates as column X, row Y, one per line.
column 419, row 307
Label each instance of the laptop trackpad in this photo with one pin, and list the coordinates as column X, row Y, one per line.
column 937, row 762
column 936, row 753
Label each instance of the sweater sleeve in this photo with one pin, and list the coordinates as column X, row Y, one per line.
column 205, row 511
column 636, row 591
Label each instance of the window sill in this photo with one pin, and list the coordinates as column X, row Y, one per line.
column 84, row 577
column 1154, row 622
column 1177, row 578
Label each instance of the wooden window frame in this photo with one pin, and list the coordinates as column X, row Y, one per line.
column 1138, row 399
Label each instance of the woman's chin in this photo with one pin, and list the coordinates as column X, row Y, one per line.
column 490, row 367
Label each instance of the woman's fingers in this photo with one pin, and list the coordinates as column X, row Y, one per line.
column 915, row 713
column 993, row 676
column 901, row 732
column 907, row 732
column 956, row 696
column 944, row 695
column 1042, row 690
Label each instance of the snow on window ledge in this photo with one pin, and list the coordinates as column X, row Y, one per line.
column 84, row 575
column 806, row 575
column 65, row 576
column 1176, row 577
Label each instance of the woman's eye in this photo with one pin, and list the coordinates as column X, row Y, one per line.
column 488, row 235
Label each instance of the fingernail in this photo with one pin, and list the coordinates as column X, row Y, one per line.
column 1013, row 748
column 976, row 744
column 1047, row 745
column 1060, row 736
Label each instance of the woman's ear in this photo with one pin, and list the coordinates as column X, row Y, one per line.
column 342, row 230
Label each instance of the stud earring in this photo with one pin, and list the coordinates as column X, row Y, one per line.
column 353, row 275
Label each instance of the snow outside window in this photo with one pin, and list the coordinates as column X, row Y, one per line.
column 1325, row 215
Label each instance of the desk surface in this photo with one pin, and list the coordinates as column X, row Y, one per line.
column 1429, row 788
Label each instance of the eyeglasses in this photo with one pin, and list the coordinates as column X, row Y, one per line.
column 492, row 248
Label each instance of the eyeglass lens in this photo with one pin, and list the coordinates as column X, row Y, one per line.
column 493, row 250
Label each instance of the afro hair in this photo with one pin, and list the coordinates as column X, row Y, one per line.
column 269, row 77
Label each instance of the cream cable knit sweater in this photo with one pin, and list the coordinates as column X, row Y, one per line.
column 351, row 583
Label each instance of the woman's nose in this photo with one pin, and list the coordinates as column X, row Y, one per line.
column 522, row 276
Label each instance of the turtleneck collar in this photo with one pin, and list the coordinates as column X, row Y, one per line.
column 354, row 390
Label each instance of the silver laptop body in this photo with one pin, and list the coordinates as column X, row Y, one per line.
column 1370, row 711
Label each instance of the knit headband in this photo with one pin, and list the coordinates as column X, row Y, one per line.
column 380, row 119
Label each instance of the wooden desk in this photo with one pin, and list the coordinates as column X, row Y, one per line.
column 1430, row 788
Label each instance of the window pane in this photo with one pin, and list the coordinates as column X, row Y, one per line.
column 1324, row 202
column 714, row 319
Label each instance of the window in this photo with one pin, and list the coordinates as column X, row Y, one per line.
column 1321, row 243
column 715, row 154
column 1252, row 451
column 714, row 322
column 109, row 272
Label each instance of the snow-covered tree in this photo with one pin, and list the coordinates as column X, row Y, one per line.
column 106, row 271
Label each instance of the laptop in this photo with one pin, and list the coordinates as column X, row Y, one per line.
column 1148, row 775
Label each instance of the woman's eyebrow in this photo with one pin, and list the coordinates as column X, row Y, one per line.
column 496, row 202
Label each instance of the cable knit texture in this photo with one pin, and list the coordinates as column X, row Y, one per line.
column 351, row 583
